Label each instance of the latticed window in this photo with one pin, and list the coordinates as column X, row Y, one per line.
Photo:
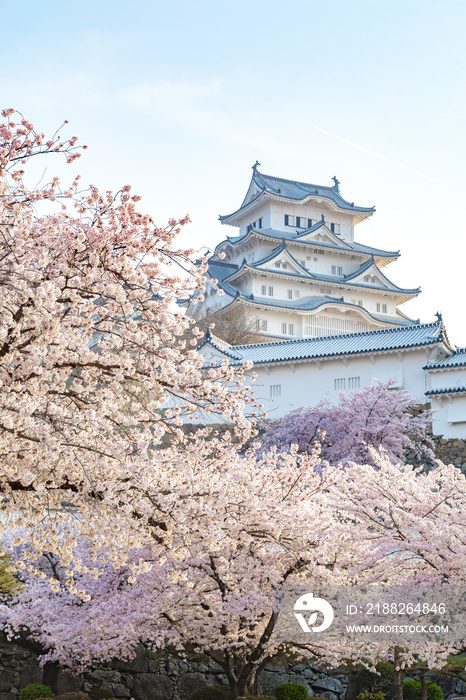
column 327, row 325
column 354, row 383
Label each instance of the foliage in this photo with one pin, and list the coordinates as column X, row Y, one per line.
column 36, row 690
column 238, row 327
column 412, row 690
column 9, row 583
column 379, row 681
column 290, row 691
column 371, row 695
column 376, row 416
column 213, row 692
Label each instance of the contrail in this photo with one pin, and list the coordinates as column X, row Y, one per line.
column 387, row 160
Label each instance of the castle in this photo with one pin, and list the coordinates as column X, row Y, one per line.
column 328, row 316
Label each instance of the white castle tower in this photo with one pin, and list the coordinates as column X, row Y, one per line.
column 295, row 266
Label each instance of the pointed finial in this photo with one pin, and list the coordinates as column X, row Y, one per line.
column 254, row 167
column 439, row 317
column 336, row 186
column 322, row 218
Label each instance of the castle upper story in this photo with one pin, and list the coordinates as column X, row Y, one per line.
column 288, row 205
column 294, row 267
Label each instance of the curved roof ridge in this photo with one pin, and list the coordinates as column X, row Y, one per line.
column 266, row 183
column 331, row 190
column 217, row 344
column 390, row 329
column 371, row 262
column 351, row 246
column 276, row 251
column 303, row 305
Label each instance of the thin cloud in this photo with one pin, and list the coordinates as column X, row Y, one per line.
column 387, row 160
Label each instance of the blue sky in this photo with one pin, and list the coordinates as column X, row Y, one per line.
column 180, row 99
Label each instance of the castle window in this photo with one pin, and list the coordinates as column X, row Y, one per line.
column 354, row 383
column 290, row 294
column 284, row 328
column 309, row 223
column 339, row 384
column 384, row 308
column 290, row 329
column 275, row 391
column 296, row 293
column 289, row 220
column 270, row 291
column 335, row 228
column 278, row 264
column 263, row 290
column 260, row 223
column 359, row 302
column 298, row 221
column 366, row 279
column 261, row 324
column 378, row 307
column 337, row 270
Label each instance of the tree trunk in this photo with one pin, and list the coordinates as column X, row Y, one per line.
column 424, row 686
column 353, row 687
column 50, row 675
column 237, row 690
column 397, row 675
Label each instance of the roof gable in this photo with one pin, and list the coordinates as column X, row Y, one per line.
column 281, row 256
column 320, row 233
column 369, row 274
column 213, row 348
column 293, row 190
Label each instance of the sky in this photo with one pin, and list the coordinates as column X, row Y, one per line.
column 179, row 99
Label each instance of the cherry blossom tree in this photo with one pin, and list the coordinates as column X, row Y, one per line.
column 375, row 416
column 96, row 372
column 237, row 538
column 417, row 517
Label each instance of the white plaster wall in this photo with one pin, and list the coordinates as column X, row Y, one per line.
column 450, row 419
column 304, row 384
column 450, row 416
column 312, row 211
column 448, row 378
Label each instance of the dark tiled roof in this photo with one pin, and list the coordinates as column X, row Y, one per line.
column 222, row 347
column 447, row 390
column 339, row 345
column 293, row 189
column 312, row 276
column 348, row 246
column 458, row 359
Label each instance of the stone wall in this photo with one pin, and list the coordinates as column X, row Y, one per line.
column 451, row 452
column 152, row 676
